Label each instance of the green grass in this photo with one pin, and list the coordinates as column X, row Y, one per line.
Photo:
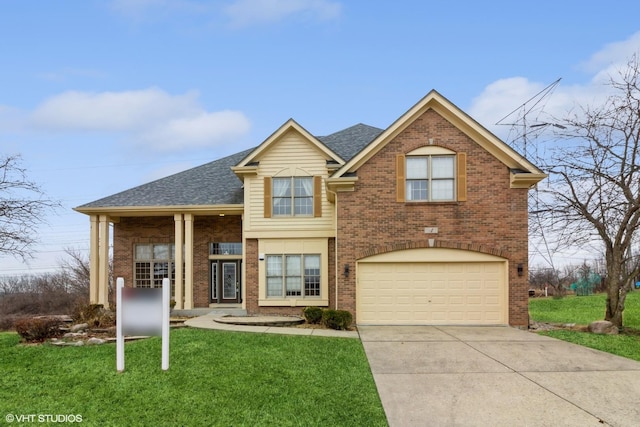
column 584, row 310
column 215, row 378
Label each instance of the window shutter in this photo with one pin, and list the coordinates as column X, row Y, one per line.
column 462, row 177
column 400, row 174
column 317, row 196
column 267, row 197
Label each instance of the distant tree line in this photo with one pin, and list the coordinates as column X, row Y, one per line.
column 58, row 292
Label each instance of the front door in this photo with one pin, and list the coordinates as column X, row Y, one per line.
column 225, row 281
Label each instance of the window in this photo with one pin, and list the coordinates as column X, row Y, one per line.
column 293, row 275
column 293, row 196
column 430, row 178
column 217, row 248
column 152, row 263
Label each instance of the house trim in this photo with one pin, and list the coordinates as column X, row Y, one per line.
column 433, row 100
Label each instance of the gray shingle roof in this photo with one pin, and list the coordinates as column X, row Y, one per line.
column 215, row 183
column 350, row 141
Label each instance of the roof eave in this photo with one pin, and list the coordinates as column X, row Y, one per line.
column 129, row 211
column 526, row 180
column 339, row 185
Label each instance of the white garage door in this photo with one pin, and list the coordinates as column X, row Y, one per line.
column 470, row 291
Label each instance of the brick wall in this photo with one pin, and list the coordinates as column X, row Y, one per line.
column 494, row 216
column 130, row 231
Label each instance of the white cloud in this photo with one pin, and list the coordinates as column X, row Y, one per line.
column 238, row 13
column 200, row 130
column 149, row 117
column 613, row 55
column 243, row 13
column 505, row 95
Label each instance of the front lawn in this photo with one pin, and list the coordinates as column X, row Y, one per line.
column 584, row 310
column 216, row 378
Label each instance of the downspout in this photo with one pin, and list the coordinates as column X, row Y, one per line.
column 335, row 239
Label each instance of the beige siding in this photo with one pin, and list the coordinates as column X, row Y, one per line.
column 291, row 155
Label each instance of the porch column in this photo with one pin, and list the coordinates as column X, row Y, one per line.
column 93, row 260
column 179, row 261
column 103, row 261
column 188, row 261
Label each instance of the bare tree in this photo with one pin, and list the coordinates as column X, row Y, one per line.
column 77, row 271
column 22, row 208
column 593, row 193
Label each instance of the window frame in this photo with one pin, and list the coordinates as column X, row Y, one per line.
column 309, row 278
column 144, row 268
column 293, row 197
column 429, row 180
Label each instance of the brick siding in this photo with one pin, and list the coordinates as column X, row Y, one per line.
column 130, row 231
column 492, row 220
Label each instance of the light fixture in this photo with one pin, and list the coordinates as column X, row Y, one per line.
column 346, row 270
column 520, row 269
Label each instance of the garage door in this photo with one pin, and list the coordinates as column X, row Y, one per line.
column 432, row 286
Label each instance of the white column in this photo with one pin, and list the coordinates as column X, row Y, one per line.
column 188, row 261
column 93, row 261
column 179, row 239
column 103, row 261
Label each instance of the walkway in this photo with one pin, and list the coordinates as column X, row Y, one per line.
column 208, row 321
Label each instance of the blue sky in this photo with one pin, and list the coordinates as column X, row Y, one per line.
column 98, row 96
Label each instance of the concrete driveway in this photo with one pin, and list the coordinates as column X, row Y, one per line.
column 497, row 376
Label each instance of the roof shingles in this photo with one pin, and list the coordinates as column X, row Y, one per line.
column 214, row 183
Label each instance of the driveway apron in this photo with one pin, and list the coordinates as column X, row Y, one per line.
column 497, row 376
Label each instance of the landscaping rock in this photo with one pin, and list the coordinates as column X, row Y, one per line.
column 603, row 327
column 95, row 341
column 79, row 327
column 74, row 335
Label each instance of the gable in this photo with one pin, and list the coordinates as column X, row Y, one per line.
column 288, row 127
column 527, row 173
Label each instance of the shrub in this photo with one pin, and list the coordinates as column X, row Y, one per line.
column 95, row 315
column 38, row 329
column 7, row 322
column 312, row 314
column 337, row 319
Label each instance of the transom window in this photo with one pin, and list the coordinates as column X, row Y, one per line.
column 293, row 196
column 152, row 263
column 293, row 275
column 430, row 178
column 220, row 248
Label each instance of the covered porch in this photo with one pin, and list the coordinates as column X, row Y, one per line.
column 116, row 235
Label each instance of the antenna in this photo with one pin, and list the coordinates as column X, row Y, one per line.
column 518, row 118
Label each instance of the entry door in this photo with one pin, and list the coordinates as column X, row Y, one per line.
column 225, row 281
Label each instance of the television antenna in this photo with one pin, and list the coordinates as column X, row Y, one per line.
column 522, row 127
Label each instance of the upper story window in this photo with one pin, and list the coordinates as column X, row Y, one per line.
column 430, row 178
column 431, row 174
column 293, row 196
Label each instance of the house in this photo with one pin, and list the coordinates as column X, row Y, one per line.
column 424, row 222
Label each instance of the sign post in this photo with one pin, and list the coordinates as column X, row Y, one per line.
column 142, row 311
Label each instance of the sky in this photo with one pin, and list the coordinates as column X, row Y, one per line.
column 98, row 96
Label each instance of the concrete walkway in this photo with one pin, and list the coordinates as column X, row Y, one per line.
column 497, row 376
column 208, row 321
